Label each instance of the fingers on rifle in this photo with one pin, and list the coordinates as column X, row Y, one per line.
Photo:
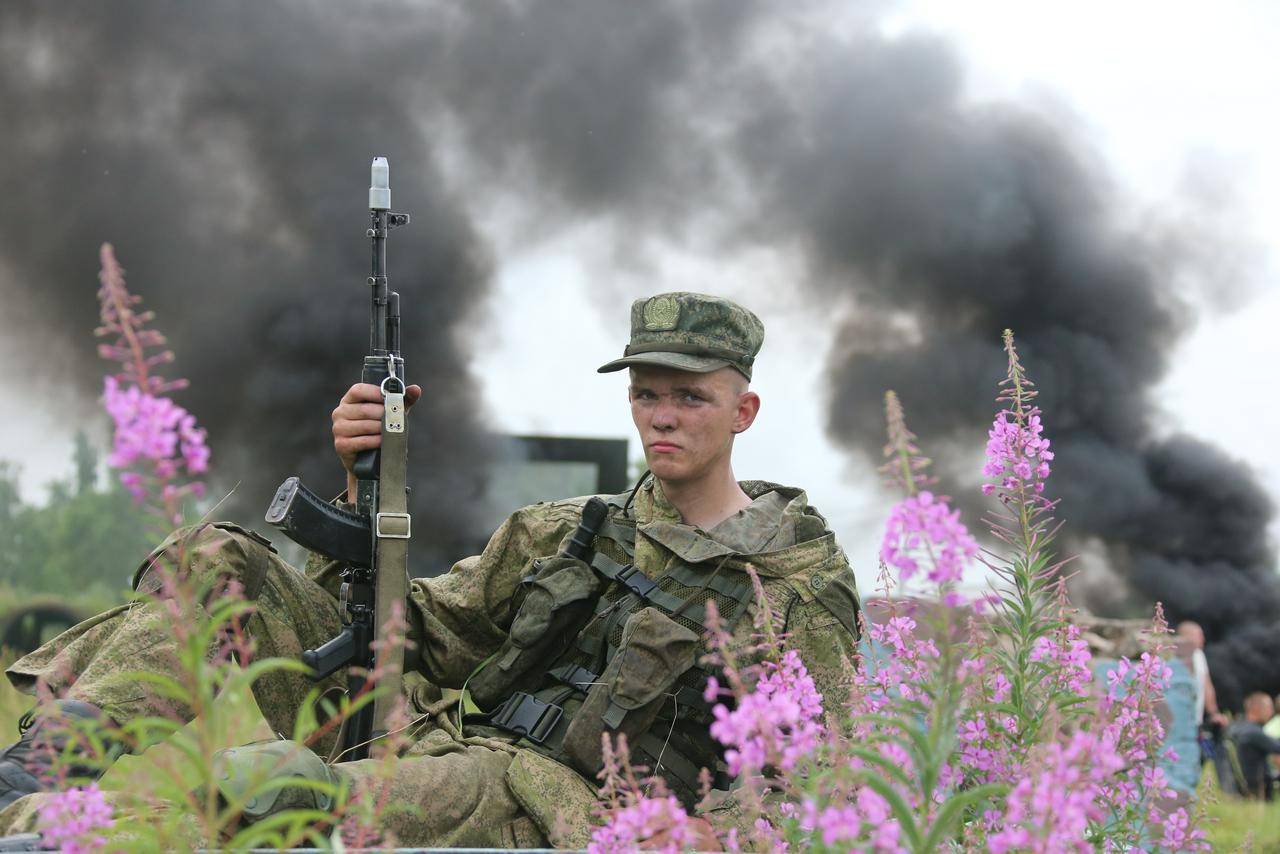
column 363, row 393
column 357, row 412
column 350, row 428
column 411, row 394
column 346, row 445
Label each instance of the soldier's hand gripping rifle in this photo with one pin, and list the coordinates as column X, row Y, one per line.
column 371, row 543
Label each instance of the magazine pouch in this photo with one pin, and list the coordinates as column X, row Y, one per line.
column 559, row 598
column 654, row 651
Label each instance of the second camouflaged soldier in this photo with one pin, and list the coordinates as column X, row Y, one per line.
column 555, row 651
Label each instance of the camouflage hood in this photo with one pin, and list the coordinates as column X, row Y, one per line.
column 806, row 529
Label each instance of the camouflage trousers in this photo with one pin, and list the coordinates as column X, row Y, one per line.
column 459, row 785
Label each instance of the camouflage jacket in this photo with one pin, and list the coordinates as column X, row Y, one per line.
column 460, row 619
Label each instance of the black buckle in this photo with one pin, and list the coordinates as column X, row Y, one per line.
column 528, row 716
column 636, row 581
column 576, row 677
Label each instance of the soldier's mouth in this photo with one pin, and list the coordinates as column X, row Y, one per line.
column 664, row 447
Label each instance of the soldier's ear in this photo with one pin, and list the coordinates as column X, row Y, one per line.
column 748, row 409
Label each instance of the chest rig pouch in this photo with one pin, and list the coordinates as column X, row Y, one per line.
column 626, row 663
column 560, row 597
column 654, row 652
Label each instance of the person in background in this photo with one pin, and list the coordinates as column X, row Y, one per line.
column 1253, row 746
column 1208, row 717
column 1272, row 730
column 1272, row 727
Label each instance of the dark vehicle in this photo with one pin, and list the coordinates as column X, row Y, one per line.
column 25, row 627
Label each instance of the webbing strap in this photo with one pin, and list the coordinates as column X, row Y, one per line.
column 738, row 590
column 635, row 581
column 574, row 676
column 623, row 535
column 580, row 678
column 671, row 762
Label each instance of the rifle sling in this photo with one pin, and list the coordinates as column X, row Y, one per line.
column 391, row 545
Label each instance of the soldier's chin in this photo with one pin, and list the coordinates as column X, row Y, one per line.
column 665, row 468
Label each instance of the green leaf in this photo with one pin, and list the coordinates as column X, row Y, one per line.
column 952, row 810
column 886, row 765
column 901, row 811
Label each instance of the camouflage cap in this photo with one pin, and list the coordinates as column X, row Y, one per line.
column 691, row 332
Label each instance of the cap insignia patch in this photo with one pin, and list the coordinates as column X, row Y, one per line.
column 661, row 314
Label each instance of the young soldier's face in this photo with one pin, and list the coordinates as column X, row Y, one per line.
column 687, row 421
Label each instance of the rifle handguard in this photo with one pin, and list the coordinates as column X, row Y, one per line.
column 317, row 525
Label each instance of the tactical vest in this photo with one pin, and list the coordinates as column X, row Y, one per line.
column 624, row 654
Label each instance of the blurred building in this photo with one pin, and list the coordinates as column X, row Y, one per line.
column 529, row 469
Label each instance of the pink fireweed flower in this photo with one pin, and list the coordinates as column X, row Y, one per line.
column 1129, row 706
column 902, row 672
column 875, row 812
column 1018, row 454
column 134, row 345
column 838, row 824
column 152, row 428
column 776, row 724
column 984, row 754
column 633, row 828
column 1179, row 835
column 925, row 526
column 152, row 431
column 905, row 466
column 70, row 821
column 851, row 823
column 156, row 441
column 1050, row 810
column 132, row 482
column 922, row 526
column 1069, row 658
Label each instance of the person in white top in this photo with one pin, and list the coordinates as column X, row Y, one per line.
column 1206, row 697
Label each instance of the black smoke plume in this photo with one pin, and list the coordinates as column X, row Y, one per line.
column 951, row 222
column 205, row 143
column 224, row 150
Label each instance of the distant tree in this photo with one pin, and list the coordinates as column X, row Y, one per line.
column 10, row 510
column 80, row 539
column 10, row 498
column 86, row 460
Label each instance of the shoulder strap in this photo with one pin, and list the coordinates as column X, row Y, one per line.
column 620, row 527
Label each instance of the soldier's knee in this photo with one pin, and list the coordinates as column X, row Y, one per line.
column 206, row 554
column 264, row 779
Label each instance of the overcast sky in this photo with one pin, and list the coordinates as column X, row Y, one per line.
column 1167, row 93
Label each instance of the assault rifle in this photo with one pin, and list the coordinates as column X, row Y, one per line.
column 371, row 543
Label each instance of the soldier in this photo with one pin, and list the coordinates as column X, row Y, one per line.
column 540, row 640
